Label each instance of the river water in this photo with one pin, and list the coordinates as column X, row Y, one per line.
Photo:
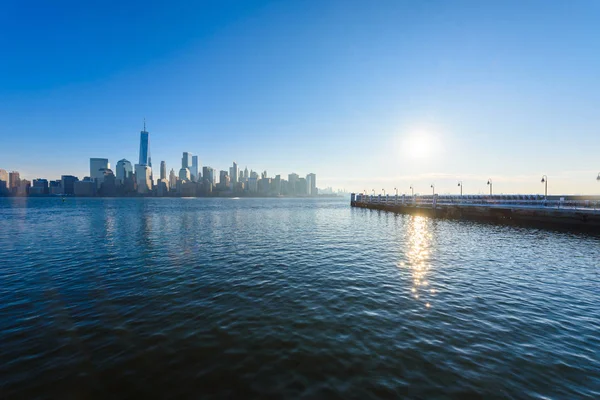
column 289, row 298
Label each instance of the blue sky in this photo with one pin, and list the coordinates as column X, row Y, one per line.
column 367, row 95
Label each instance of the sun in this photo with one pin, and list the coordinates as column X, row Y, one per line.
column 418, row 146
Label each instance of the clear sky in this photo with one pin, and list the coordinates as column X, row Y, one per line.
column 366, row 94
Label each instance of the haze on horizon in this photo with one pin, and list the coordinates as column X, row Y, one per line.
column 367, row 97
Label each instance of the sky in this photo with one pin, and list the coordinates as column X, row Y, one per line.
column 367, row 95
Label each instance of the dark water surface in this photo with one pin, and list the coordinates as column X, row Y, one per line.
column 189, row 298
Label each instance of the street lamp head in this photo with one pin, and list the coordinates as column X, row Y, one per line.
column 543, row 180
column 598, row 178
column 459, row 183
column 489, row 183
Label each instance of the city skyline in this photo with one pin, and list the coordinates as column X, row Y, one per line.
column 399, row 95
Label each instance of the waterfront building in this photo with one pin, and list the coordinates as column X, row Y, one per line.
column 300, row 189
column 162, row 188
column 184, row 174
column 143, row 176
column 109, row 185
column 85, row 188
column 186, row 160
column 39, row 187
column 56, row 187
column 97, row 165
column 67, row 183
column 123, row 171
column 14, row 178
column 163, row 170
column 144, row 146
column 209, row 175
column 234, row 173
column 276, row 185
column 23, row 188
column 253, row 184
column 172, row 180
column 311, row 182
column 292, row 179
column 194, row 169
column 4, row 176
column 264, row 185
column 246, row 176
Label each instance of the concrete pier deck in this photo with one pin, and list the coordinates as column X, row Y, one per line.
column 577, row 212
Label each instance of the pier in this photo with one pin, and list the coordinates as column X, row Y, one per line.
column 577, row 212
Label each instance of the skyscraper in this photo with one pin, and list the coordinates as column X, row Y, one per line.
column 14, row 179
column 144, row 137
column 246, row 173
column 142, row 175
column 68, row 184
column 292, row 179
column 172, row 179
column 97, row 167
column 163, row 170
column 194, row 168
column 234, row 173
column 186, row 160
column 208, row 175
column 124, row 170
column 3, row 175
column 311, row 184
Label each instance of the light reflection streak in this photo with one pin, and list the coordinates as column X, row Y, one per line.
column 419, row 242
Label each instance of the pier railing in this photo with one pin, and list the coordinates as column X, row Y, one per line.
column 516, row 200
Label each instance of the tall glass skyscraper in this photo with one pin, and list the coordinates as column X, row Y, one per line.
column 144, row 146
column 194, row 170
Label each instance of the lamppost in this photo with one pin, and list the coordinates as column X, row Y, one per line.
column 598, row 178
column 490, row 183
column 545, row 182
column 433, row 187
column 412, row 190
column 460, row 184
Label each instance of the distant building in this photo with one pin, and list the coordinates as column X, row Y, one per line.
column 311, row 184
column 56, row 187
column 97, row 165
column 144, row 146
column 67, row 182
column 301, row 187
column 253, row 185
column 292, row 179
column 208, row 175
column 172, row 180
column 14, row 178
column 162, row 188
column 23, row 188
column 109, row 184
column 194, row 169
column 4, row 176
column 186, row 160
column 246, row 173
column 234, row 173
column 163, row 170
column 123, row 171
column 143, row 176
column 85, row 188
column 184, row 174
column 39, row 187
column 276, row 185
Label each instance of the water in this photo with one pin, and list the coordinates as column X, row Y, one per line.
column 292, row 298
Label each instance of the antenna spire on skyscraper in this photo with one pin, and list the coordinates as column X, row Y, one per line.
column 144, row 124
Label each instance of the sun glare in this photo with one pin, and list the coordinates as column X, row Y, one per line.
column 417, row 146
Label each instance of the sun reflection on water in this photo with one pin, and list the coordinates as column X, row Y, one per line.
column 419, row 242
